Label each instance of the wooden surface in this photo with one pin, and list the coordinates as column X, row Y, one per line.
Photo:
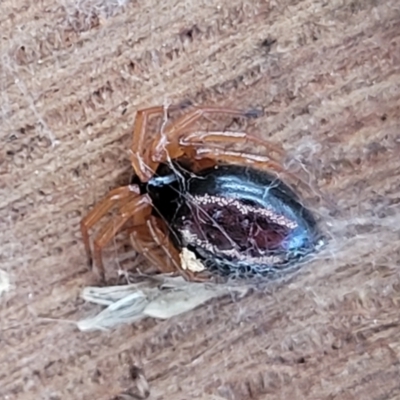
column 326, row 73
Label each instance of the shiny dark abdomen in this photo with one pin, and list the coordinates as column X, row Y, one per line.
column 237, row 220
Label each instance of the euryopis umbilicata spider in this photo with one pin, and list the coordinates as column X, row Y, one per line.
column 199, row 209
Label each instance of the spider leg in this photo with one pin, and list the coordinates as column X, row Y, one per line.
column 235, row 157
column 253, row 160
column 143, row 244
column 120, row 195
column 137, row 210
column 141, row 164
column 139, row 132
column 190, row 118
column 166, row 245
column 195, row 143
column 172, row 254
column 166, row 145
column 227, row 137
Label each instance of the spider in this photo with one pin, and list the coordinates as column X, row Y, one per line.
column 197, row 209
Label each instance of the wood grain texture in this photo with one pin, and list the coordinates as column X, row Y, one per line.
column 326, row 73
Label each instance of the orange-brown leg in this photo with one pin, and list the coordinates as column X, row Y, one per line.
column 143, row 166
column 137, row 211
column 120, row 195
column 166, row 145
column 139, row 164
column 143, row 243
column 235, row 157
column 252, row 160
column 172, row 254
column 194, row 145
column 190, row 118
column 227, row 137
column 172, row 263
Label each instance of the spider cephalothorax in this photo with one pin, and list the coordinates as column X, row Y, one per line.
column 200, row 210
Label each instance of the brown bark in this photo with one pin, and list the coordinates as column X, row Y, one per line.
column 327, row 73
